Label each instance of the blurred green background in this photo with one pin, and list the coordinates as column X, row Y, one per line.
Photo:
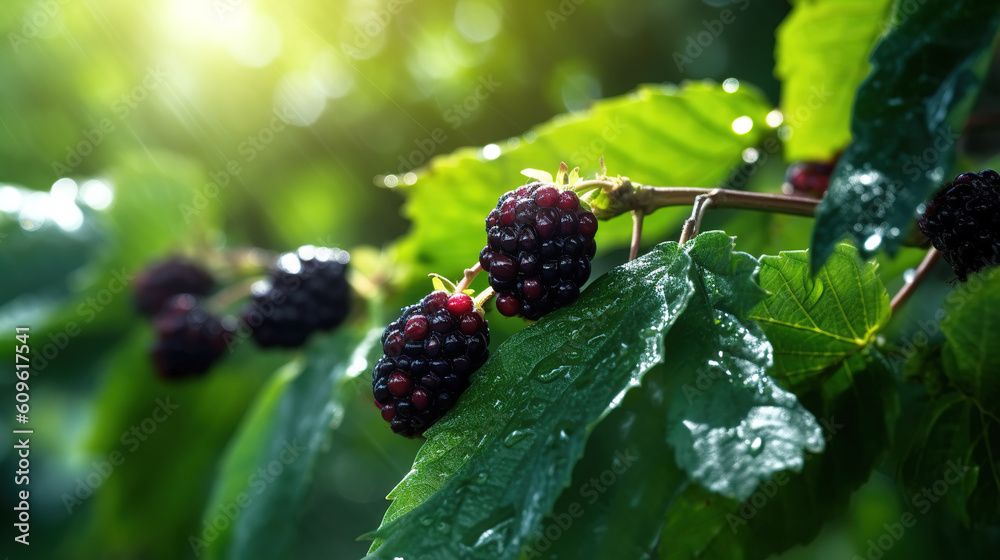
column 134, row 129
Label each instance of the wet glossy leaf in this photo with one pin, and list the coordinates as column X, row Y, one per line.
column 856, row 407
column 494, row 466
column 731, row 425
column 624, row 485
column 621, row 487
column 927, row 72
column 821, row 56
column 817, row 322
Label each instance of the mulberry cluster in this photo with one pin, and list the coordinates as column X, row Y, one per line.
column 963, row 222
column 307, row 291
column 161, row 281
column 429, row 353
column 539, row 245
column 189, row 339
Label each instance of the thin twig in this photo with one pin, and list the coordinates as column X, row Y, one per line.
column 637, row 217
column 652, row 198
column 221, row 300
column 470, row 275
column 904, row 293
column 693, row 224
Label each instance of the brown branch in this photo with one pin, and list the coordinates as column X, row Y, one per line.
column 633, row 251
column 904, row 293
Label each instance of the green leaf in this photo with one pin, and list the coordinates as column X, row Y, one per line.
column 731, row 425
column 953, row 460
column 493, row 467
column 857, row 408
column 689, row 129
column 971, row 330
column 821, row 57
column 167, row 438
column 268, row 466
column 621, row 487
column 960, row 428
column 815, row 323
column 625, row 483
column 927, row 71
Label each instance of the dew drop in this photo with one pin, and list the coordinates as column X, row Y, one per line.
column 516, row 436
column 549, row 376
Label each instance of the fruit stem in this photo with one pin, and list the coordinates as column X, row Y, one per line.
column 904, row 293
column 470, row 275
column 633, row 251
column 484, row 296
column 229, row 295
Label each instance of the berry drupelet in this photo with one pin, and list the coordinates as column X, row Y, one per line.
column 539, row 245
column 306, row 291
column 166, row 279
column 430, row 352
column 963, row 222
column 189, row 339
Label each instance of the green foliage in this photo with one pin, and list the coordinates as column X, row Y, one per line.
column 690, row 129
column 269, row 464
column 141, row 424
column 926, row 75
column 496, row 474
column 821, row 57
column 731, row 426
column 694, row 403
column 817, row 322
column 493, row 467
column 971, row 359
column 957, row 438
column 623, row 484
column 856, row 412
column 851, row 393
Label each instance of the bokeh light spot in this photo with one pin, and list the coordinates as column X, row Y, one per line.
column 299, row 98
column 477, row 21
column 96, row 194
column 491, row 152
column 742, row 125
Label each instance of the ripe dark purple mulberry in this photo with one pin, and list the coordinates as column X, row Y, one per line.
column 963, row 222
column 189, row 339
column 429, row 354
column 306, row 291
column 166, row 279
column 539, row 245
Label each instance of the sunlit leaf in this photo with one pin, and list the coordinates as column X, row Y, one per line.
column 658, row 135
column 821, row 56
column 817, row 322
